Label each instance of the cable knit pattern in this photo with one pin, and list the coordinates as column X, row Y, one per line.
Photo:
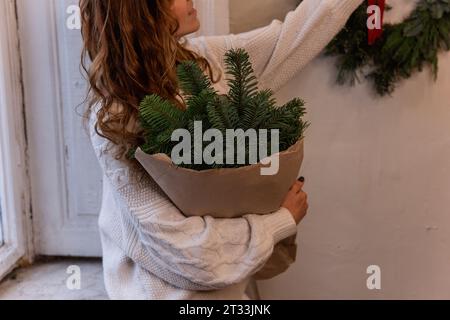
column 150, row 249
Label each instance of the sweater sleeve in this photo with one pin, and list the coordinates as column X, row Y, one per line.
column 192, row 253
column 278, row 51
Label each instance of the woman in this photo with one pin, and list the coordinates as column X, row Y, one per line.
column 150, row 249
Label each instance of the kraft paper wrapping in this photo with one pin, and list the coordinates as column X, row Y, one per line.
column 230, row 193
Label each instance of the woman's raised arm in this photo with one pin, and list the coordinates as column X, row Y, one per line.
column 281, row 49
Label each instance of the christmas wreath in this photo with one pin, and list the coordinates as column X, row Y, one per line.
column 401, row 50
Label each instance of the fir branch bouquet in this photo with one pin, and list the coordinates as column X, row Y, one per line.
column 243, row 108
column 223, row 189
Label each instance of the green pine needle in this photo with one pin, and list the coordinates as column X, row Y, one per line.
column 244, row 107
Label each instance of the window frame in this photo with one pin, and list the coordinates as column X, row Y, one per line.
column 17, row 248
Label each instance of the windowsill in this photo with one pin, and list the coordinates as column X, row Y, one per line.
column 46, row 280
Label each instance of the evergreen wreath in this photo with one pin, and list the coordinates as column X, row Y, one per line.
column 244, row 107
column 403, row 48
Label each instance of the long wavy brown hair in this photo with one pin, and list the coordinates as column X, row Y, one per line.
column 133, row 52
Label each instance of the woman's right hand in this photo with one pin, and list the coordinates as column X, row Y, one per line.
column 296, row 201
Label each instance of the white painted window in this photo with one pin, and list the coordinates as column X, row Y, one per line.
column 1, row 211
column 14, row 186
column 65, row 176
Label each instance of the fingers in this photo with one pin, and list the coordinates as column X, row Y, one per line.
column 301, row 197
column 296, row 200
column 297, row 186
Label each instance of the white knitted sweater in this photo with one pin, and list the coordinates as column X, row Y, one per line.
column 150, row 249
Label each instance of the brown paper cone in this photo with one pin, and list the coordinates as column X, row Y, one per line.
column 227, row 192
column 230, row 193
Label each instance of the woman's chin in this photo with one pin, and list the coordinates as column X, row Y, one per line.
column 193, row 28
column 197, row 25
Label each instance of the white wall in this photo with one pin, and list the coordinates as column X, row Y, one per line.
column 378, row 178
column 213, row 16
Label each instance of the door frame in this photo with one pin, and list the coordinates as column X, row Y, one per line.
column 15, row 185
column 57, row 232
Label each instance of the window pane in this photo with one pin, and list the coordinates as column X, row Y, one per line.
column 1, row 226
column 1, row 212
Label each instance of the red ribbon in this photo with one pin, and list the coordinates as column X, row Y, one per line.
column 375, row 34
